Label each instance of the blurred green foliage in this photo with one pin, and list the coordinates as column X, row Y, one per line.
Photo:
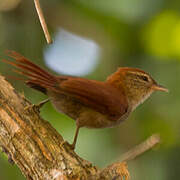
column 136, row 33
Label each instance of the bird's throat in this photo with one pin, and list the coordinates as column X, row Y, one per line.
column 135, row 100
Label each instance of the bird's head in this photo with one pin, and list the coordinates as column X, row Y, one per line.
column 137, row 84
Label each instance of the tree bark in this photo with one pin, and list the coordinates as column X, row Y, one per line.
column 38, row 149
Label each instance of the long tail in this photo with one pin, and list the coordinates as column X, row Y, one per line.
column 37, row 78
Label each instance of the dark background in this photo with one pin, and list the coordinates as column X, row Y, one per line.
column 92, row 39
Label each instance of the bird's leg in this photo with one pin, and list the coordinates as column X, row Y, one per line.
column 75, row 137
column 37, row 106
column 72, row 146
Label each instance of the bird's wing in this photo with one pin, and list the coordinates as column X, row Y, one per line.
column 99, row 96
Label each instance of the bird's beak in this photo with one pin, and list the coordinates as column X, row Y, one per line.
column 158, row 87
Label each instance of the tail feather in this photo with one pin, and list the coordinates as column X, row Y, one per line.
column 38, row 78
column 21, row 59
column 32, row 76
column 37, row 87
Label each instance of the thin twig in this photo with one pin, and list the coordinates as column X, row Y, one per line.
column 42, row 21
column 141, row 148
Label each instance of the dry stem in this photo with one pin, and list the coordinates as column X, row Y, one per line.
column 42, row 21
column 138, row 150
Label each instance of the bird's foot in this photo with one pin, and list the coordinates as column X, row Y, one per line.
column 36, row 107
column 65, row 143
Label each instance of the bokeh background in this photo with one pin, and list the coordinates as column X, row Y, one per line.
column 92, row 39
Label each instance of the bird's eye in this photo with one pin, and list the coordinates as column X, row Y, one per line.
column 144, row 78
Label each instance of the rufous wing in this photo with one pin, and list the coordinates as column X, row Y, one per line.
column 97, row 95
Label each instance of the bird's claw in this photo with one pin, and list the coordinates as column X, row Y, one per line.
column 36, row 107
column 65, row 143
column 32, row 107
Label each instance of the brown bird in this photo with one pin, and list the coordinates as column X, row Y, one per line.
column 91, row 103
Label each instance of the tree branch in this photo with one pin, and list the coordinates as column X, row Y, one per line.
column 37, row 148
column 138, row 150
column 41, row 153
